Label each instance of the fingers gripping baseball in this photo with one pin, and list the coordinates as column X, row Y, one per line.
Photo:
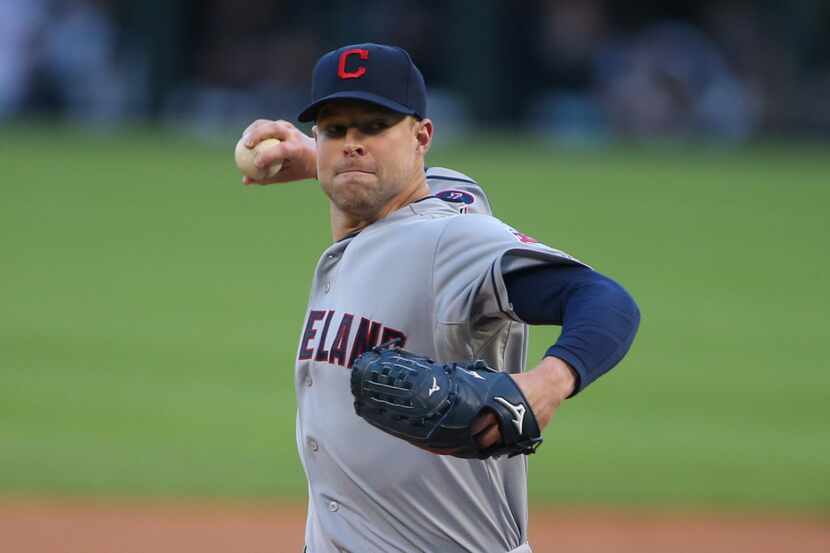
column 293, row 152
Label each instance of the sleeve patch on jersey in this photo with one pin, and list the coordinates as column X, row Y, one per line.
column 529, row 240
column 524, row 238
column 456, row 196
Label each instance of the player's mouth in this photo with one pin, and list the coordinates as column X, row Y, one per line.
column 355, row 170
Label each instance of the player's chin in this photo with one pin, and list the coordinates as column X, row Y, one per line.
column 356, row 202
column 363, row 199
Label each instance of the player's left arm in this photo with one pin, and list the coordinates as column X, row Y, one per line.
column 599, row 320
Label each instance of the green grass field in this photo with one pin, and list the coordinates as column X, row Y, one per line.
column 150, row 308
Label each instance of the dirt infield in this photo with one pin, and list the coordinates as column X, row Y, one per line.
column 29, row 526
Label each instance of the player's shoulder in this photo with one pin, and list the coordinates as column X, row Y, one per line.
column 478, row 230
column 446, row 175
column 477, row 227
column 438, row 219
column 458, row 190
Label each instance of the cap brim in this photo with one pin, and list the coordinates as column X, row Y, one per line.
column 310, row 112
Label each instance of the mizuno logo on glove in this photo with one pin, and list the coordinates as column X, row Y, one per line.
column 474, row 374
column 517, row 410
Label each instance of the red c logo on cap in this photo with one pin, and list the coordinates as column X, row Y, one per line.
column 341, row 67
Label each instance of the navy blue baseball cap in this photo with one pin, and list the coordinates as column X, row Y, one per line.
column 376, row 73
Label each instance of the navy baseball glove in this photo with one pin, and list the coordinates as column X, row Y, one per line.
column 433, row 405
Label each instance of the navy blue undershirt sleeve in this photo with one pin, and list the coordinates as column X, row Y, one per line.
column 598, row 317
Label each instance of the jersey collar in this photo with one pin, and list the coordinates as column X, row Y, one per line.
column 429, row 206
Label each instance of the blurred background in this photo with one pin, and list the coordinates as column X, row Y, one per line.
column 150, row 305
column 579, row 70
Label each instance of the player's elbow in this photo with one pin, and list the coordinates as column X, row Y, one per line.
column 622, row 305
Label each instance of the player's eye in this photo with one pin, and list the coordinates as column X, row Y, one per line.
column 334, row 131
column 375, row 126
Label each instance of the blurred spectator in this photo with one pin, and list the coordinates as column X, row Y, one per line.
column 671, row 80
column 253, row 61
column 572, row 34
column 80, row 62
column 62, row 57
column 19, row 25
column 778, row 52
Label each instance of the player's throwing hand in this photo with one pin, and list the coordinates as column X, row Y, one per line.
column 296, row 150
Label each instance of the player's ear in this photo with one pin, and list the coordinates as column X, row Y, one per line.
column 423, row 134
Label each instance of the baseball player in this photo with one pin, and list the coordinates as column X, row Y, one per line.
column 417, row 262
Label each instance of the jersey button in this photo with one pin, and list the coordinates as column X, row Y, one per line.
column 327, row 287
column 308, row 381
column 333, row 506
column 312, row 443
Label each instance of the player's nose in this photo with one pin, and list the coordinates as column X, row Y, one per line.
column 353, row 145
column 353, row 149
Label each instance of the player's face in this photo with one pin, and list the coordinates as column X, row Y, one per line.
column 367, row 155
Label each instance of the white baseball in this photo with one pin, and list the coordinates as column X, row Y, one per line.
column 246, row 158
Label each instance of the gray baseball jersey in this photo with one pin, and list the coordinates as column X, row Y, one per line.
column 433, row 278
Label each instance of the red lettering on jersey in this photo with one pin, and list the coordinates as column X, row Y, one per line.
column 524, row 238
column 322, row 354
column 341, row 66
column 365, row 338
column 310, row 332
column 368, row 334
column 391, row 334
column 341, row 341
